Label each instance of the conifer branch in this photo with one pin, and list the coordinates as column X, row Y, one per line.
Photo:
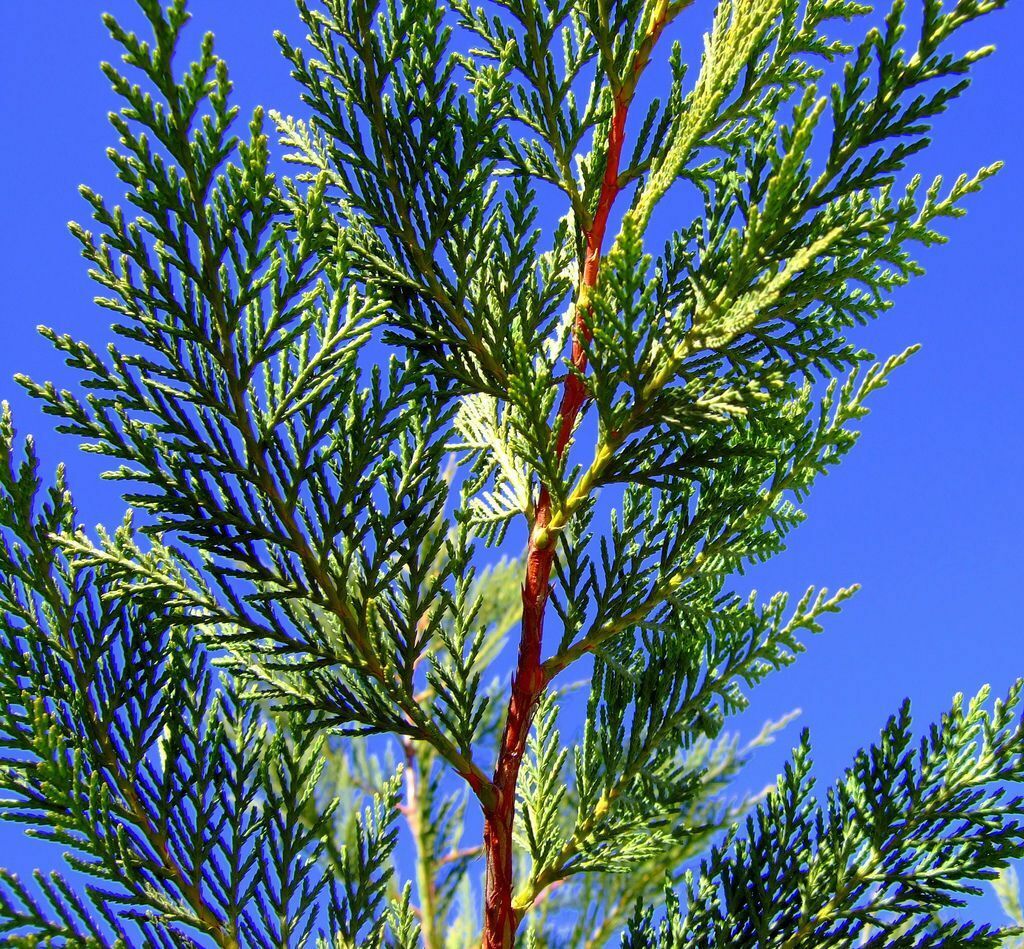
column 425, row 872
column 331, row 396
column 528, row 679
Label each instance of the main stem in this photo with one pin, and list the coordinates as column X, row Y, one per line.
column 528, row 680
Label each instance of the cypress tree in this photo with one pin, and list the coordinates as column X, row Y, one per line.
column 302, row 695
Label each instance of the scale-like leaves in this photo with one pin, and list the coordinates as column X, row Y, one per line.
column 905, row 834
column 121, row 744
column 329, row 396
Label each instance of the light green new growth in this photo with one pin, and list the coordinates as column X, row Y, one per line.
column 274, row 707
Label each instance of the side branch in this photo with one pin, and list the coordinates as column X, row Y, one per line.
column 415, row 812
column 363, row 656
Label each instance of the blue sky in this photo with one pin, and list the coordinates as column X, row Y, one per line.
column 926, row 514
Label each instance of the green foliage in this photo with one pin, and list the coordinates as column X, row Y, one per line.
column 898, row 838
column 1007, row 888
column 123, row 745
column 335, row 400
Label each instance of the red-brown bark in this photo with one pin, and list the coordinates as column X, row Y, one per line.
column 528, row 681
column 500, row 919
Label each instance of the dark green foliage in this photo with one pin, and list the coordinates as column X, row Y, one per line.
column 902, row 836
column 123, row 745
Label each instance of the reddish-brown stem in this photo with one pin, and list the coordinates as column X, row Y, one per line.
column 500, row 919
column 528, row 680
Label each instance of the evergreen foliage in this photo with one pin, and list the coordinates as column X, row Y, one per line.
column 270, row 715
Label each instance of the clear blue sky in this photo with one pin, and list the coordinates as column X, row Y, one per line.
column 927, row 513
